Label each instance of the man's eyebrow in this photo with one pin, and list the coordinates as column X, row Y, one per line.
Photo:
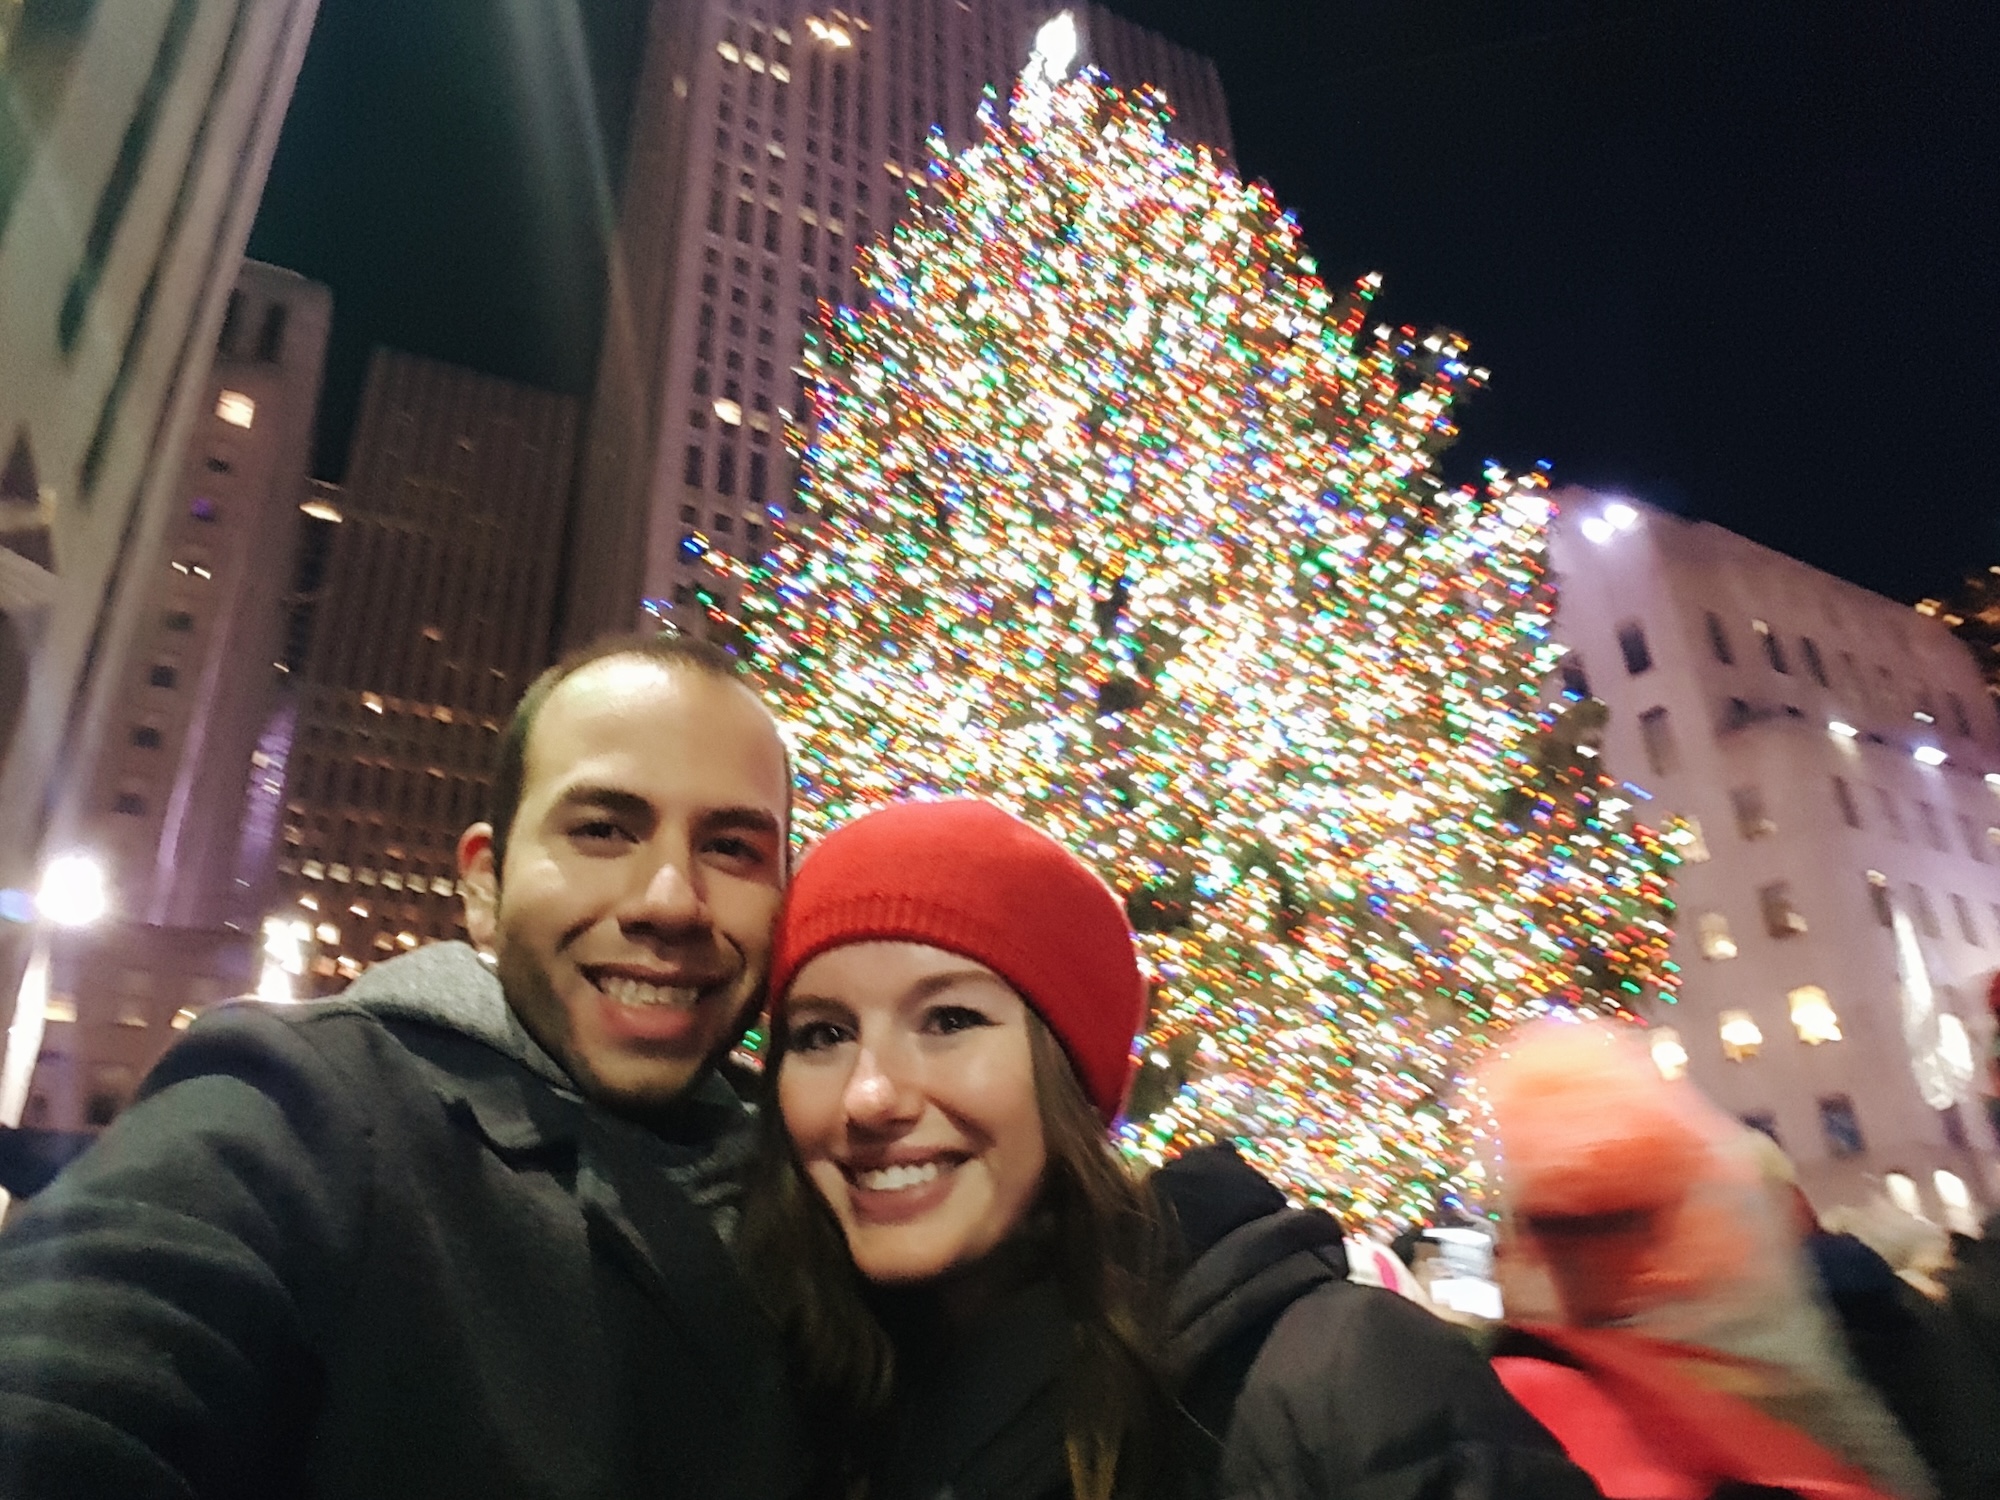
column 753, row 819
column 610, row 798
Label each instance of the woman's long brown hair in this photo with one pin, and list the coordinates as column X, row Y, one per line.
column 1108, row 1253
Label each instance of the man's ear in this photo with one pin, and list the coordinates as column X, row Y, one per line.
column 479, row 885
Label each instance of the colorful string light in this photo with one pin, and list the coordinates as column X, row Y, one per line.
column 1120, row 519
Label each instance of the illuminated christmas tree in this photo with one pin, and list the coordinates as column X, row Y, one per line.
column 1120, row 519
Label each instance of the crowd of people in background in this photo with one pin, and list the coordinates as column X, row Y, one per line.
column 506, row 1218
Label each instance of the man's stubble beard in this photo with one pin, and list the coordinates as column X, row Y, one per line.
column 531, row 996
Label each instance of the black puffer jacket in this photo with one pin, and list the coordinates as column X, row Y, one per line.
column 1319, row 1389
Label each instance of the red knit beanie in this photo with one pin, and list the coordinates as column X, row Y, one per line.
column 966, row 877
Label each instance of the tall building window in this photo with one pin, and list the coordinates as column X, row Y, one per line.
column 271, row 337
column 1716, row 943
column 1878, row 898
column 1927, row 917
column 130, row 804
column 1968, row 833
column 1632, row 646
column 1959, row 721
column 163, row 676
column 760, row 465
column 146, row 736
column 691, row 473
column 725, row 472
column 1813, row 1017
column 1964, row 911
column 1843, row 795
column 1740, row 1035
column 1752, row 821
column 1774, row 649
column 1891, row 814
column 237, row 409
column 1656, row 733
column 1933, row 829
column 1718, row 640
column 1781, row 918
column 1815, row 665
column 1574, row 680
column 1841, row 1126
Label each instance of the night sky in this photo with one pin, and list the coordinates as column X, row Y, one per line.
column 1736, row 258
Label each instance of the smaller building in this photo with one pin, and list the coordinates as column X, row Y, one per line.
column 1836, row 760
column 427, row 593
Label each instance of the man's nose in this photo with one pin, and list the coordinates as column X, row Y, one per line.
column 670, row 900
column 880, row 1094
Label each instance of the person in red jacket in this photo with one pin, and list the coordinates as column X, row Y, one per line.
column 1660, row 1318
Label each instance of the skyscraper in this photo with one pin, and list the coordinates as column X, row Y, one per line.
column 165, row 795
column 134, row 142
column 168, row 785
column 770, row 138
column 434, row 613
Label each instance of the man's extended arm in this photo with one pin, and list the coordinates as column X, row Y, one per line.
column 161, row 1302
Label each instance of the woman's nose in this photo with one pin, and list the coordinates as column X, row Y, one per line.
column 878, row 1095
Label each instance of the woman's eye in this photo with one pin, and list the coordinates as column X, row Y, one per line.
column 815, row 1036
column 947, row 1020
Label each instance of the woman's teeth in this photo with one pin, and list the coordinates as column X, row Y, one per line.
column 638, row 992
column 893, row 1179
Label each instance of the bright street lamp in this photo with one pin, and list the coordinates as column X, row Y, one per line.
column 73, row 893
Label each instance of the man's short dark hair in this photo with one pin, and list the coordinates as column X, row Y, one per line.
column 687, row 652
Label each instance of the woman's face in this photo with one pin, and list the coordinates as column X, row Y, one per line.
column 908, row 1091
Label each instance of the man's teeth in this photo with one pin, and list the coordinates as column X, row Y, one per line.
column 892, row 1179
column 638, row 992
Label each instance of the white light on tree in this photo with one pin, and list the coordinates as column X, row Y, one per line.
column 1622, row 516
column 1598, row 530
column 1930, row 755
column 1056, row 46
column 1842, row 728
column 73, row 892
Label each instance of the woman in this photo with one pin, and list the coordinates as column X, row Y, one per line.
column 969, row 1279
column 966, row 1272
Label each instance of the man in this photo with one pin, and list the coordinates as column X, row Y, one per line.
column 455, row 1231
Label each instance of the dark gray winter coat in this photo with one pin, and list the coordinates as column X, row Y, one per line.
column 1319, row 1389
column 378, row 1246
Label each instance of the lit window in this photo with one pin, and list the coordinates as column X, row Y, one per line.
column 1812, row 1015
column 1740, row 1035
column 60, row 1009
column 1716, row 943
column 235, row 408
column 1688, row 839
column 1954, row 1045
column 1903, row 1192
column 1957, row 1200
column 730, row 412
column 1669, row 1056
column 183, row 1018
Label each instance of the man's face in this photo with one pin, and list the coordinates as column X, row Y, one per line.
column 632, row 921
